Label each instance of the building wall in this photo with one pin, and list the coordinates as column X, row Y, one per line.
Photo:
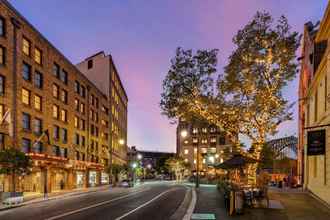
column 84, row 159
column 317, row 168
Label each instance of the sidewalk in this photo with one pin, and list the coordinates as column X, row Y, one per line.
column 31, row 198
column 296, row 206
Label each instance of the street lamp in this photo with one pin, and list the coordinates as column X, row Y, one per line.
column 139, row 156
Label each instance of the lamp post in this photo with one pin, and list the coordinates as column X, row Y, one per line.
column 121, row 142
column 184, row 134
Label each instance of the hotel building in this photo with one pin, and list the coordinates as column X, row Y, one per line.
column 314, row 114
column 214, row 145
column 45, row 93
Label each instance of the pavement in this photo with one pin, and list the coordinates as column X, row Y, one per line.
column 286, row 205
column 149, row 201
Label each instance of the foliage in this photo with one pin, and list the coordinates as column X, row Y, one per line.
column 14, row 162
column 117, row 170
column 266, row 158
column 177, row 165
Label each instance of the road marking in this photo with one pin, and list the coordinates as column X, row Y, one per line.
column 191, row 206
column 95, row 205
column 143, row 205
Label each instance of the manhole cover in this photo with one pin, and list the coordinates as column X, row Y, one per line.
column 205, row 216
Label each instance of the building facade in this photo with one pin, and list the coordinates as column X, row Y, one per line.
column 317, row 114
column 101, row 70
column 214, row 145
column 45, row 95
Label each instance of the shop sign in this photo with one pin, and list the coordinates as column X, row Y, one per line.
column 316, row 142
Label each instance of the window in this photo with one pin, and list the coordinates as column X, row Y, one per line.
column 2, row 85
column 38, row 102
column 91, row 100
column 26, row 94
column 82, row 124
column 82, row 108
column 55, row 111
column 2, row 55
column 222, row 139
column 204, row 130
column 2, row 141
column 2, row 111
column 76, row 104
column 64, row 135
column 63, row 152
column 76, row 87
column 2, row 26
column 56, row 132
column 76, row 122
column 64, row 76
column 186, row 151
column 77, row 155
column 64, row 96
column 26, row 118
column 90, row 64
column 37, row 147
column 26, row 145
column 37, row 126
column 26, row 71
column 213, row 140
column 38, row 56
column 105, row 109
column 195, row 130
column 56, row 150
column 325, row 93
column 26, row 46
column 56, row 70
column 195, row 140
column 315, row 106
column 204, row 141
column 64, row 117
column 76, row 139
column 56, row 91
column 212, row 130
column 38, row 80
column 83, row 91
column 96, row 102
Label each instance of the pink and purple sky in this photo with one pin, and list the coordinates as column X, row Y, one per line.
column 142, row 37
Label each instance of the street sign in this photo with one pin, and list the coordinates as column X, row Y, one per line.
column 205, row 216
column 316, row 142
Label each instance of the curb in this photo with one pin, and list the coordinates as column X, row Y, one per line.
column 192, row 205
column 181, row 210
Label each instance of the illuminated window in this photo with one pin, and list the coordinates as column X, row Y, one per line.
column 212, row 129
column 204, row 141
column 213, row 150
column 2, row 55
column 195, row 150
column 195, row 161
column 221, row 160
column 195, row 140
column 82, row 108
column 204, row 130
column 26, row 94
column 55, row 111
column 2, row 111
column 186, row 151
column 186, row 142
column 64, row 96
column 76, row 104
column 37, row 102
column 186, row 160
column 55, row 91
column 204, row 150
column 195, row 130
column 26, row 46
column 38, row 56
column 217, row 156
column 76, row 122
column 64, row 115
column 213, row 140
column 204, row 161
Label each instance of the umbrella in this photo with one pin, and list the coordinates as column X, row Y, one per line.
column 237, row 161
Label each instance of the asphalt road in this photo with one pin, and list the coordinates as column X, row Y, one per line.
column 151, row 201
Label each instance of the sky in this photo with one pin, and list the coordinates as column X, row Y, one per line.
column 142, row 37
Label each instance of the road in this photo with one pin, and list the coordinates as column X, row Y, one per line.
column 151, row 201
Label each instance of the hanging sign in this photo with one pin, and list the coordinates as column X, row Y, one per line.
column 316, row 142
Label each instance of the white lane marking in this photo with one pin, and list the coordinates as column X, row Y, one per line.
column 192, row 205
column 95, row 205
column 143, row 205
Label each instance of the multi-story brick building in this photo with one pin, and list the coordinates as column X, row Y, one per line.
column 214, row 145
column 45, row 93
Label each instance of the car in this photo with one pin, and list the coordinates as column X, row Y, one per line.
column 124, row 183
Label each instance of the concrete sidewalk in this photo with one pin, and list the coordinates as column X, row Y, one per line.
column 296, row 206
column 38, row 197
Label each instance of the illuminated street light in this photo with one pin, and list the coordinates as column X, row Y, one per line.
column 139, row 156
column 184, row 133
column 121, row 141
column 211, row 159
column 149, row 166
column 134, row 165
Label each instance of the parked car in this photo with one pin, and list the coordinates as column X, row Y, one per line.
column 124, row 183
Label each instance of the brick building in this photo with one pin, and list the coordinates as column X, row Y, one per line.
column 44, row 92
column 214, row 145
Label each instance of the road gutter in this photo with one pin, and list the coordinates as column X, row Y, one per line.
column 192, row 205
column 181, row 210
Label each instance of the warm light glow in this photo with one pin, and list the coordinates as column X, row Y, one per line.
column 186, row 151
column 186, row 160
column 184, row 133
column 134, row 165
column 221, row 160
column 139, row 156
column 121, row 142
column 149, row 166
column 211, row 159
column 217, row 156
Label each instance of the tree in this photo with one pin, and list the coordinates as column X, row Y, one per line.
column 267, row 158
column 177, row 165
column 117, row 169
column 15, row 163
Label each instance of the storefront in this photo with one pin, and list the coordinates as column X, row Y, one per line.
column 80, row 179
column 104, row 178
column 92, row 178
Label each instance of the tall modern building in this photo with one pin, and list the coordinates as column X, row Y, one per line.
column 214, row 145
column 101, row 70
column 42, row 92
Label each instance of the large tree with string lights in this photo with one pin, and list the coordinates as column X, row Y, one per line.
column 247, row 98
